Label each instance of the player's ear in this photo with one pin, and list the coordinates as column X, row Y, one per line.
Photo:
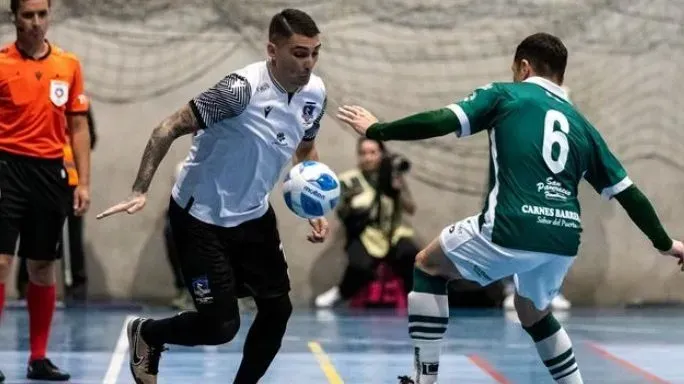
column 271, row 50
column 525, row 69
column 514, row 70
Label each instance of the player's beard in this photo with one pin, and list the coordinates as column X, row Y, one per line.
column 303, row 80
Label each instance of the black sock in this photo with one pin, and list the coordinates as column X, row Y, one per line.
column 264, row 338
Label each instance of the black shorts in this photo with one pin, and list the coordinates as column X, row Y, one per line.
column 34, row 202
column 221, row 263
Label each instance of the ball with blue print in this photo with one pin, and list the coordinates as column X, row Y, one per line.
column 311, row 189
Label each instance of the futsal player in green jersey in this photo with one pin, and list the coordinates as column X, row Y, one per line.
column 541, row 147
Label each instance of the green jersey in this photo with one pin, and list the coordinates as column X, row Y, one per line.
column 540, row 149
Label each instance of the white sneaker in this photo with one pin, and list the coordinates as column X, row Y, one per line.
column 560, row 303
column 328, row 298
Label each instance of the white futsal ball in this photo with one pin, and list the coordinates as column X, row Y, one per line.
column 311, row 189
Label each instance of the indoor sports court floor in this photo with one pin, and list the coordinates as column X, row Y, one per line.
column 616, row 346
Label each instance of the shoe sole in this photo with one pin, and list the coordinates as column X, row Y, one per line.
column 44, row 379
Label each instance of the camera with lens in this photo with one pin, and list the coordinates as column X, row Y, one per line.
column 398, row 163
column 391, row 166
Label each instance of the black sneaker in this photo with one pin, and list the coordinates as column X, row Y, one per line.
column 43, row 369
column 2, row 377
column 144, row 358
column 405, row 380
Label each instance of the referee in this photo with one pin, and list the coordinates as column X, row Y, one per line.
column 247, row 128
column 41, row 99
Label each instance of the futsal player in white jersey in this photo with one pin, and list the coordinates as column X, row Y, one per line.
column 247, row 128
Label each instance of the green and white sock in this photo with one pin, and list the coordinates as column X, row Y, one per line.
column 428, row 317
column 555, row 349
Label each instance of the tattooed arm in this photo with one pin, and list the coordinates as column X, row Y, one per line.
column 226, row 99
column 181, row 123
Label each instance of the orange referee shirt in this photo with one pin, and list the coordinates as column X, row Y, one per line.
column 35, row 96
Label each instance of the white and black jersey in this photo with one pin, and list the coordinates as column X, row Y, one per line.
column 250, row 129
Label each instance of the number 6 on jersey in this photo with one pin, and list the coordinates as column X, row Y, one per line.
column 552, row 136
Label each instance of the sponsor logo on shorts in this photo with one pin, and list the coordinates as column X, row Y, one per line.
column 481, row 273
column 202, row 291
column 458, row 227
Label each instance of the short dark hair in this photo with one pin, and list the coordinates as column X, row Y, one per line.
column 289, row 22
column 546, row 53
column 14, row 5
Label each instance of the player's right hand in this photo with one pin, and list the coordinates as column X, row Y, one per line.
column 677, row 251
column 356, row 117
column 131, row 205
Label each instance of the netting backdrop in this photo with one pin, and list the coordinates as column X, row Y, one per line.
column 401, row 56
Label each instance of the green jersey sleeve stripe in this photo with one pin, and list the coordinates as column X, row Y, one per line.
column 462, row 118
column 613, row 190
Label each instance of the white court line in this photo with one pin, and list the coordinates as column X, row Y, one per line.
column 119, row 354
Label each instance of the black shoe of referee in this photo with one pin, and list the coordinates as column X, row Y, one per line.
column 44, row 369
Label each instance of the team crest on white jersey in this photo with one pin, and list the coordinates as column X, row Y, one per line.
column 59, row 92
column 308, row 112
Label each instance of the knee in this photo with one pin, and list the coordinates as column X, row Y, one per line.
column 5, row 267
column 528, row 314
column 278, row 310
column 41, row 272
column 222, row 331
column 422, row 260
column 428, row 263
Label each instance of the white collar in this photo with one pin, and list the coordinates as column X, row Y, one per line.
column 549, row 86
column 275, row 82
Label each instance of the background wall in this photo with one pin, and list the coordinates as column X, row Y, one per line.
column 144, row 59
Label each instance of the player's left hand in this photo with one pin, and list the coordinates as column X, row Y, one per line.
column 319, row 231
column 677, row 251
column 357, row 117
column 81, row 200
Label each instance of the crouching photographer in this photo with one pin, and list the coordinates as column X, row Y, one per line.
column 373, row 200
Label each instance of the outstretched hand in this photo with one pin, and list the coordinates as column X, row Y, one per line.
column 356, row 117
column 131, row 205
column 677, row 251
